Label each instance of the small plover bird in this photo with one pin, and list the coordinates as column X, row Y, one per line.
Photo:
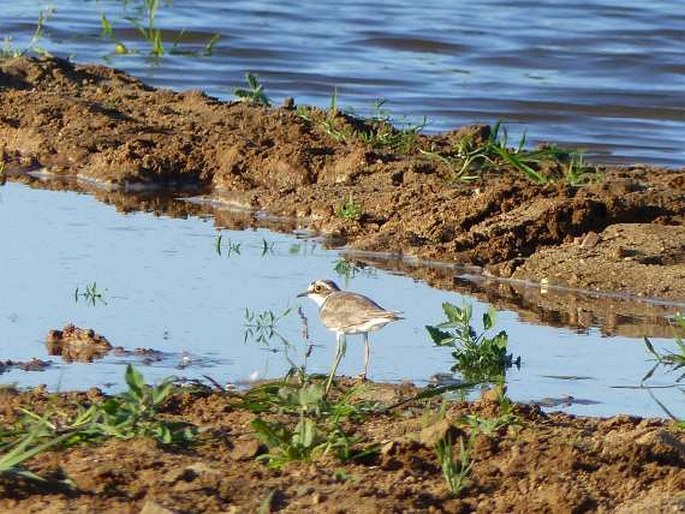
column 344, row 313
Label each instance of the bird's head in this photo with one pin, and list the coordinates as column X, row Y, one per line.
column 319, row 290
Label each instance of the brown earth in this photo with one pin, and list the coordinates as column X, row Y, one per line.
column 106, row 128
column 552, row 463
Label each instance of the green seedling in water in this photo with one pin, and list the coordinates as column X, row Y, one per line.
column 349, row 209
column 91, row 294
column 9, row 52
column 262, row 326
column 267, row 248
column 254, row 92
column 145, row 22
column 478, row 358
column 671, row 359
column 231, row 248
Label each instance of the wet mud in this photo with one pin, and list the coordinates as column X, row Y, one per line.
column 542, row 463
column 101, row 128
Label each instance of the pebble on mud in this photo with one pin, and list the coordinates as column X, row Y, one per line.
column 77, row 344
column 590, row 240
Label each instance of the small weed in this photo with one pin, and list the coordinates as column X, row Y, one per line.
column 479, row 358
column 349, row 209
column 133, row 413
column 254, row 93
column 455, row 471
column 91, row 294
column 671, row 359
column 317, row 431
column 474, row 154
column 9, row 52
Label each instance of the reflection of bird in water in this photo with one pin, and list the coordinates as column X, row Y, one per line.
column 345, row 313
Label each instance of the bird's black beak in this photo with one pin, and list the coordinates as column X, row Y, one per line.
column 303, row 294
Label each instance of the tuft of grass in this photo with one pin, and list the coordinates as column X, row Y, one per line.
column 349, row 209
column 254, row 92
column 479, row 358
column 230, row 249
column 474, row 154
column 455, row 471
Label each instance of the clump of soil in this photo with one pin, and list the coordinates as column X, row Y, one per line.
column 107, row 128
column 77, row 344
column 544, row 463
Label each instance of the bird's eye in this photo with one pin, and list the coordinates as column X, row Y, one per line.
column 318, row 288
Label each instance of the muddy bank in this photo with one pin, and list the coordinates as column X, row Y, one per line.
column 105, row 127
column 556, row 462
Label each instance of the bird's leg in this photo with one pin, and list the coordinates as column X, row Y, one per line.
column 367, row 353
column 339, row 352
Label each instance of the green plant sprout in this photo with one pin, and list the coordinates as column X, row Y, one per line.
column 349, row 209
column 254, row 93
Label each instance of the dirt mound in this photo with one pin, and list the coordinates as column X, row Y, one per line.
column 105, row 127
column 556, row 462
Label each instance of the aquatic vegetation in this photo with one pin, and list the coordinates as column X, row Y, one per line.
column 479, row 358
column 671, row 359
column 254, row 93
column 261, row 326
column 144, row 18
column 267, row 247
column 230, row 248
column 349, row 209
column 91, row 294
column 8, row 51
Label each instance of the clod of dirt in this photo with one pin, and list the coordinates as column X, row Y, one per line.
column 77, row 344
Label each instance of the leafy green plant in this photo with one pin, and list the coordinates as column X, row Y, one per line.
column 349, row 209
column 254, row 93
column 134, row 413
column 317, row 431
column 479, row 358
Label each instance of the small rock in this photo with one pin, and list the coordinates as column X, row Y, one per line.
column 152, row 507
column 590, row 240
column 245, row 449
column 289, row 103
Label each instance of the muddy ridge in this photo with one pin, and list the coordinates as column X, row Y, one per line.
column 109, row 129
column 537, row 463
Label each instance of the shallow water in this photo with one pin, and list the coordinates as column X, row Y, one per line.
column 606, row 76
column 166, row 287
